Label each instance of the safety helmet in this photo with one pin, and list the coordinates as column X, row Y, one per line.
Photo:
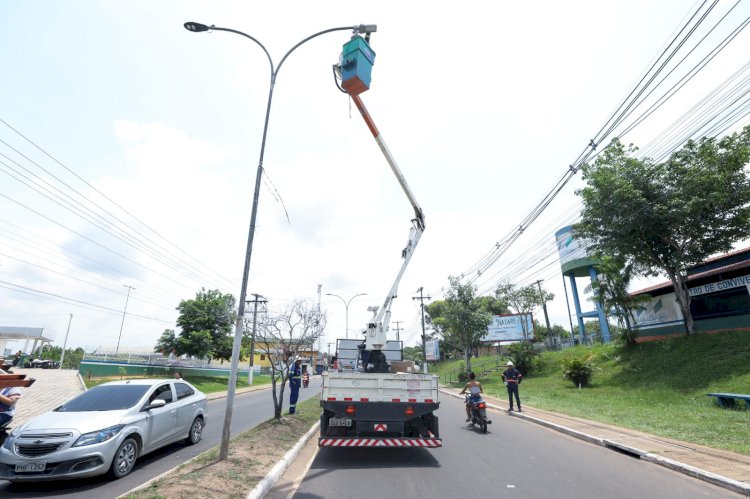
column 510, row 363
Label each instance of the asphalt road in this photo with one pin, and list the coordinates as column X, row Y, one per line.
column 250, row 409
column 514, row 459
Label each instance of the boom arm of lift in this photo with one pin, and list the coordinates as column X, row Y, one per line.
column 377, row 328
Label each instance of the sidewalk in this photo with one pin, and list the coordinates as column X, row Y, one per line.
column 52, row 388
column 727, row 469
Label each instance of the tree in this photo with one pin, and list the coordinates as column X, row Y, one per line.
column 207, row 324
column 523, row 300
column 286, row 335
column 460, row 318
column 610, row 288
column 666, row 217
column 413, row 354
column 73, row 357
column 166, row 343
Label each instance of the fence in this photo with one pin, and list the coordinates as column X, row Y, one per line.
column 145, row 360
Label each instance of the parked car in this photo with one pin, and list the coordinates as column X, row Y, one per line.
column 104, row 430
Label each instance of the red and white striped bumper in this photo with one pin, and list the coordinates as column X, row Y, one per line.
column 379, row 442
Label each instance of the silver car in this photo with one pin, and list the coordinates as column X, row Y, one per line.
column 104, row 430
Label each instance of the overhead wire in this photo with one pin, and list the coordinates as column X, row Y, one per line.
column 627, row 107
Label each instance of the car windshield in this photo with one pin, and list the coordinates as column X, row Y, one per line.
column 105, row 398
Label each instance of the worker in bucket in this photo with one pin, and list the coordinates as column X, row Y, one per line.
column 295, row 380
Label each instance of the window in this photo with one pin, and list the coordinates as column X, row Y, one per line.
column 183, row 390
column 105, row 398
column 262, row 357
column 734, row 301
column 164, row 392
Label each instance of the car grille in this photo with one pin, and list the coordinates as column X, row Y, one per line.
column 37, row 450
column 35, row 436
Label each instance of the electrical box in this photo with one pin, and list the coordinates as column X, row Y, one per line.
column 357, row 59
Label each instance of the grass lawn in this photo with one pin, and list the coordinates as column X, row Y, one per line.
column 205, row 384
column 657, row 387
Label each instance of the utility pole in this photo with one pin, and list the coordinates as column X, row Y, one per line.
column 258, row 299
column 421, row 299
column 130, row 288
column 65, row 343
column 544, row 307
column 398, row 330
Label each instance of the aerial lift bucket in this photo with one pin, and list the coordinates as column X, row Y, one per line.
column 357, row 59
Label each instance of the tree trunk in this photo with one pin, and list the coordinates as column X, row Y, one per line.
column 276, row 403
column 683, row 298
column 468, row 359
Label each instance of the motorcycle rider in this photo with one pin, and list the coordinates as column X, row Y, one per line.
column 475, row 388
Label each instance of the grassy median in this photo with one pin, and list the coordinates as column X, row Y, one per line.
column 251, row 456
column 205, row 384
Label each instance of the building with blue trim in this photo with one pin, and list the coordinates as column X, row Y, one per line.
column 720, row 300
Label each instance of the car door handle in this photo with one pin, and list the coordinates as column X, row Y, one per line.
column 173, row 412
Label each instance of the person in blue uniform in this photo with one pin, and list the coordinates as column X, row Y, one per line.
column 295, row 380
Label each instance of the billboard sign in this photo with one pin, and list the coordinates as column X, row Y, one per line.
column 432, row 349
column 510, row 328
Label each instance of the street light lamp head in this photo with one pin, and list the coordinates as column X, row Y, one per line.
column 366, row 28
column 196, row 27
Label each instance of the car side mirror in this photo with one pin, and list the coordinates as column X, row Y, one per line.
column 155, row 404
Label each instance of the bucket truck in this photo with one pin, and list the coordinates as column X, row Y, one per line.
column 376, row 400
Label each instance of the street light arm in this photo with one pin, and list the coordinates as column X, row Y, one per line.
column 230, row 30
column 353, row 297
column 343, row 28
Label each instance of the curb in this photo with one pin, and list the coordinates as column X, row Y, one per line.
column 219, row 395
column 707, row 476
column 265, row 485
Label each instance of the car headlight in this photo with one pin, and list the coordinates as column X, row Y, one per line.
column 97, row 437
column 8, row 444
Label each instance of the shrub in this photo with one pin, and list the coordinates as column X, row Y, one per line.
column 626, row 338
column 522, row 354
column 579, row 370
column 463, row 376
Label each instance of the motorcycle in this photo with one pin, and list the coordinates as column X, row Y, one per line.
column 305, row 380
column 479, row 414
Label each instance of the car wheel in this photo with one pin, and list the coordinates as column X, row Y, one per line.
column 124, row 460
column 196, row 432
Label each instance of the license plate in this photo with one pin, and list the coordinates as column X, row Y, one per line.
column 30, row 467
column 339, row 422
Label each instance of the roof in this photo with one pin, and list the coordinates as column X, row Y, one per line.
column 708, row 268
column 22, row 333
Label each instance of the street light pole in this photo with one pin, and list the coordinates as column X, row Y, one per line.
column 130, row 288
column 197, row 27
column 65, row 343
column 346, row 305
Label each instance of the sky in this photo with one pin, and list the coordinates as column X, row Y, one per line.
column 139, row 128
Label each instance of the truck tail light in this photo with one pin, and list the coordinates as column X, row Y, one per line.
column 350, row 410
column 409, row 410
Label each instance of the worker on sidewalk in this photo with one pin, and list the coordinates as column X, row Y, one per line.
column 295, row 380
column 512, row 378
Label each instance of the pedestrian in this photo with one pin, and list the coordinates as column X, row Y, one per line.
column 512, row 378
column 177, row 375
column 295, row 380
column 17, row 358
column 8, row 398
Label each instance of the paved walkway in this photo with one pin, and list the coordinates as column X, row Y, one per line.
column 51, row 388
column 731, row 470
